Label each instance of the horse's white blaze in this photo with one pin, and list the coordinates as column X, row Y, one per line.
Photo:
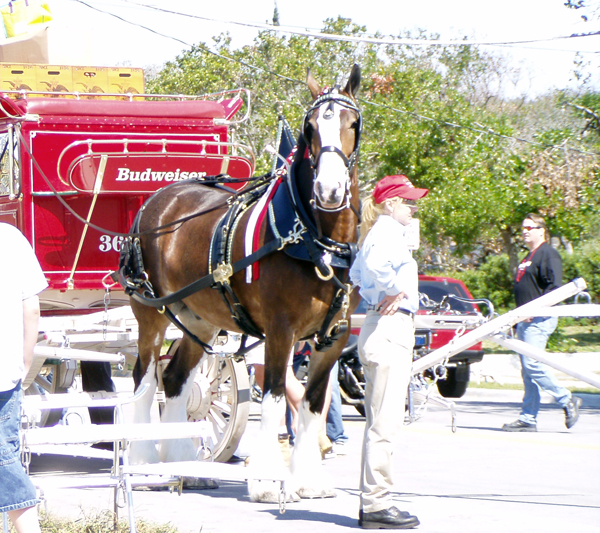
column 266, row 455
column 332, row 174
column 175, row 410
column 142, row 452
column 308, row 476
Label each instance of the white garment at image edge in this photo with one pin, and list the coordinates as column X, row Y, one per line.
column 22, row 278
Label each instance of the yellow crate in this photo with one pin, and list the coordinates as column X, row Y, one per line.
column 17, row 77
column 90, row 80
column 55, row 79
column 126, row 80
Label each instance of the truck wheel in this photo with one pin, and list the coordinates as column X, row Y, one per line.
column 456, row 382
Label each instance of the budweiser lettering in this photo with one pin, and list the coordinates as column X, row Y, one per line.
column 125, row 174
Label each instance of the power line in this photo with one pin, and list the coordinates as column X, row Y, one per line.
column 200, row 45
column 317, row 35
column 393, row 41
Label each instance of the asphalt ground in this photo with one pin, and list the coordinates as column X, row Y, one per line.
column 477, row 479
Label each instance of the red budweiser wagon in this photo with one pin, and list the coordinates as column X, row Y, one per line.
column 74, row 171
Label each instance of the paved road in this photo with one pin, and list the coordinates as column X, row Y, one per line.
column 478, row 479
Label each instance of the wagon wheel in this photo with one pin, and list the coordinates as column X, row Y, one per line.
column 55, row 377
column 221, row 396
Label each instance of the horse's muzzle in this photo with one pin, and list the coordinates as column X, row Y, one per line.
column 329, row 197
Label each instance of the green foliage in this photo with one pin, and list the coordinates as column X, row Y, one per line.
column 490, row 280
column 585, row 263
column 273, row 67
column 429, row 113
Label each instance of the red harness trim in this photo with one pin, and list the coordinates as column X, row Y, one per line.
column 259, row 223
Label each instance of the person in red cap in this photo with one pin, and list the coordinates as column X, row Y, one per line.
column 387, row 277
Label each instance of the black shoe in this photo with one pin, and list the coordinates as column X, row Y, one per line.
column 391, row 518
column 519, row 425
column 572, row 412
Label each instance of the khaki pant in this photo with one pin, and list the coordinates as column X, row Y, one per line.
column 385, row 347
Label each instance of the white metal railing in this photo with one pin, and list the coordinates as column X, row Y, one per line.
column 494, row 331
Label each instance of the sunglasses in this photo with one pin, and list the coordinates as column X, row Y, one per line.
column 410, row 203
column 529, row 228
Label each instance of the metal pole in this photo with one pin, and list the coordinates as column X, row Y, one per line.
column 494, row 326
column 542, row 356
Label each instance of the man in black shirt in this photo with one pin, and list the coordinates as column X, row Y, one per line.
column 539, row 273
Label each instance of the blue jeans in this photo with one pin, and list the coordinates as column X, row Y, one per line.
column 537, row 375
column 335, row 423
column 16, row 489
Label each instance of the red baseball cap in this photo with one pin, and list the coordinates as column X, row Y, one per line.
column 397, row 186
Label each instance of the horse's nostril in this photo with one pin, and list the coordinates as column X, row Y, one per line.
column 320, row 190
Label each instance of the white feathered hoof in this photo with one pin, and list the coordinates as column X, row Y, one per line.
column 143, row 452
column 269, row 492
column 312, row 493
column 174, row 450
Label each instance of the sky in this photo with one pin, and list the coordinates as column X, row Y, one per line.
column 82, row 35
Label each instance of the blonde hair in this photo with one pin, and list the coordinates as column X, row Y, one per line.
column 369, row 214
column 538, row 221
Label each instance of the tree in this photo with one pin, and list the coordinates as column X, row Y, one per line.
column 433, row 113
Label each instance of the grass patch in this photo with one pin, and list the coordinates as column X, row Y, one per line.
column 100, row 522
column 493, row 385
column 519, row 386
column 567, row 338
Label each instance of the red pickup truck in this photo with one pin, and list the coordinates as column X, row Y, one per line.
column 444, row 309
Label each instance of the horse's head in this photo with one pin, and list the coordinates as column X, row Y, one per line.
column 332, row 133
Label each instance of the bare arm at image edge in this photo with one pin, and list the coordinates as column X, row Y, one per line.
column 31, row 316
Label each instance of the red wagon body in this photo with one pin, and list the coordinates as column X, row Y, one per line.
column 103, row 158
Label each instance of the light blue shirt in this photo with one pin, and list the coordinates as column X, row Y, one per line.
column 385, row 266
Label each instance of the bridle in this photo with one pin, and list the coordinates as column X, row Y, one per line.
column 332, row 97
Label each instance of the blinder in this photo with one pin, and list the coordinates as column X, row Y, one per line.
column 334, row 97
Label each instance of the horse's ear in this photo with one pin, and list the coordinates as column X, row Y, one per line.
column 353, row 82
column 315, row 88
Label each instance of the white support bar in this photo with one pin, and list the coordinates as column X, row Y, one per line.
column 542, row 356
column 52, row 352
column 572, row 310
column 452, row 322
column 81, row 399
column 494, row 326
column 92, row 433
column 204, row 469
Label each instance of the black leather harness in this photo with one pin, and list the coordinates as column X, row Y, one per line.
column 295, row 233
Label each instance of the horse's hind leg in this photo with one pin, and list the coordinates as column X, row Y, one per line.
column 178, row 380
column 152, row 327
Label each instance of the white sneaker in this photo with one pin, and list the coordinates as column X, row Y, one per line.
column 339, row 448
column 331, row 454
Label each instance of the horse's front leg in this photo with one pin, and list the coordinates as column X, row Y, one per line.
column 144, row 451
column 309, row 479
column 266, row 459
